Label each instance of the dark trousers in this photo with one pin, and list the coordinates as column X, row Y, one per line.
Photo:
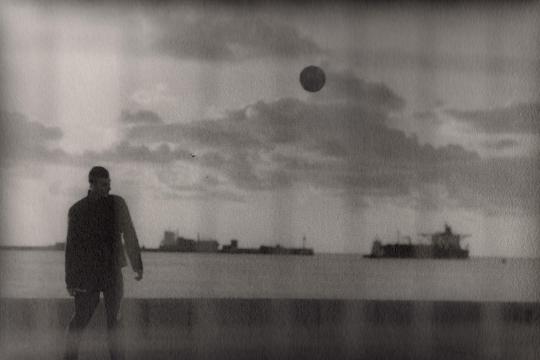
column 85, row 305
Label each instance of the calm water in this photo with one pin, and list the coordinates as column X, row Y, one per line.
column 40, row 274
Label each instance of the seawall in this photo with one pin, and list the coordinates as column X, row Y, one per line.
column 281, row 329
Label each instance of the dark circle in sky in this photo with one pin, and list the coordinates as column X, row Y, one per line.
column 312, row 78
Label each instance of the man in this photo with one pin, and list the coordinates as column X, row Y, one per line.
column 94, row 259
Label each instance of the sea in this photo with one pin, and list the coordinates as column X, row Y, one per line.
column 40, row 274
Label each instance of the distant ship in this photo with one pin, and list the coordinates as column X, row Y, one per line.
column 173, row 243
column 444, row 245
column 233, row 248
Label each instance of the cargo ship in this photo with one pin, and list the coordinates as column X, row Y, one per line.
column 173, row 243
column 444, row 245
column 233, row 248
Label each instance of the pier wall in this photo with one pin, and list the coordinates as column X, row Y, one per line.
column 281, row 329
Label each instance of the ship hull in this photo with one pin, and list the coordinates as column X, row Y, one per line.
column 418, row 252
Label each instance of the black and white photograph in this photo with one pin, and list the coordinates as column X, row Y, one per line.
column 269, row 180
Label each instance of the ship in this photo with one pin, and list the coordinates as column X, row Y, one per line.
column 443, row 245
column 233, row 248
column 173, row 243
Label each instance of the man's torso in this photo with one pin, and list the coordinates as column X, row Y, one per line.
column 96, row 240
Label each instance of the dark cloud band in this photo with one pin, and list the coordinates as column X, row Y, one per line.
column 523, row 118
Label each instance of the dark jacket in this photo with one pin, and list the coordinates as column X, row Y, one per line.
column 94, row 250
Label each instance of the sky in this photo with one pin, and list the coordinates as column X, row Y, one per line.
column 429, row 115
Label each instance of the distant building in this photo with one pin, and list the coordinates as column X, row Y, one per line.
column 172, row 242
column 169, row 240
column 206, row 246
column 231, row 248
column 186, row 245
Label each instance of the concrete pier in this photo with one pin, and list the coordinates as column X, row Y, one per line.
column 281, row 329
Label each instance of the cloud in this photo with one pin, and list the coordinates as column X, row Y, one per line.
column 127, row 152
column 427, row 117
column 140, row 117
column 17, row 126
column 21, row 139
column 208, row 187
column 342, row 146
column 501, row 144
column 351, row 106
column 221, row 36
column 198, row 195
column 59, row 188
column 498, row 184
column 269, row 146
column 342, row 131
column 369, row 95
column 154, row 96
column 522, row 118
column 346, row 146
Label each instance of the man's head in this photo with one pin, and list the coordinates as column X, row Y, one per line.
column 100, row 182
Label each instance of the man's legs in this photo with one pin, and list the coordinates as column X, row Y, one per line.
column 85, row 305
column 113, row 298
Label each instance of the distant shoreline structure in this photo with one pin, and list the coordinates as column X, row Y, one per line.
column 444, row 245
column 173, row 243
column 59, row 246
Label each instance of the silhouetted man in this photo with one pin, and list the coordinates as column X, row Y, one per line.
column 95, row 257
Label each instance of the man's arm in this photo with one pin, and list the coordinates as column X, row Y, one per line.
column 130, row 239
column 71, row 261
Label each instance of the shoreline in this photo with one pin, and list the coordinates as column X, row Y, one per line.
column 308, row 252
column 363, row 255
